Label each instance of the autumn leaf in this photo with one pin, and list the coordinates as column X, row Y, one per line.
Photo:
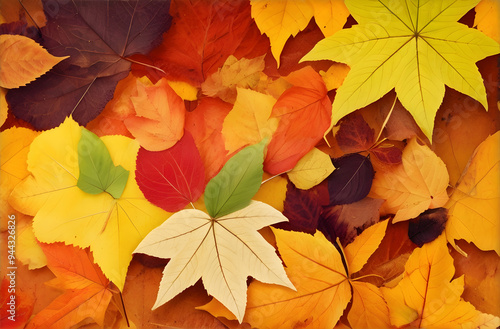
column 98, row 37
column 486, row 19
column 416, row 49
column 222, row 251
column 416, row 185
column 426, row 298
column 354, row 134
column 159, row 115
column 16, row 307
column 474, row 208
column 311, row 170
column 280, row 20
column 249, row 121
column 243, row 73
column 172, row 178
column 23, row 60
column 303, row 111
column 87, row 291
column 428, row 226
column 63, row 212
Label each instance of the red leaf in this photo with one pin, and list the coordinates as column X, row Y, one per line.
column 354, row 134
column 15, row 306
column 305, row 111
column 205, row 124
column 388, row 155
column 171, row 178
column 97, row 35
column 194, row 48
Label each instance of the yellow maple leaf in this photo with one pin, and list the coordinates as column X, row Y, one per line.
column 23, row 60
column 474, row 206
column 63, row 212
column 426, row 298
column 249, row 121
column 413, row 47
column 311, row 170
column 416, row 185
column 281, row 19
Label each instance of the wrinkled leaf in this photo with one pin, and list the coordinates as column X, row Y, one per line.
column 237, row 182
column 172, row 178
column 416, row 49
column 222, row 251
column 97, row 171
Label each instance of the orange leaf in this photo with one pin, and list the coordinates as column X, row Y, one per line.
column 12, row 11
column 23, row 60
column 369, row 309
column 159, row 120
column 15, row 306
column 87, row 290
column 304, row 112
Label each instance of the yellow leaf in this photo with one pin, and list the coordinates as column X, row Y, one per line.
column 330, row 15
column 413, row 47
column 315, row 268
column 474, row 206
column 369, row 309
column 487, row 18
column 28, row 250
column 185, row 91
column 335, row 75
column 416, row 185
column 272, row 192
column 243, row 73
column 311, row 170
column 111, row 227
column 222, row 251
column 365, row 244
column 249, row 121
column 281, row 19
column 427, row 298
column 23, row 60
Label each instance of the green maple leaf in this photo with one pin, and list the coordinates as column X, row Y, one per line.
column 413, row 46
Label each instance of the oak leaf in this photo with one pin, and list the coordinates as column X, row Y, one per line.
column 425, row 297
column 63, row 212
column 98, row 37
column 474, row 206
column 171, row 178
column 409, row 50
column 23, row 60
column 221, row 251
column 418, row 184
column 311, row 170
column 159, row 115
column 87, row 291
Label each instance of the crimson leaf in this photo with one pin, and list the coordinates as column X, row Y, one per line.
column 173, row 177
column 98, row 36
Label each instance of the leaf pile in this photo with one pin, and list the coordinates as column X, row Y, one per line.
column 250, row 163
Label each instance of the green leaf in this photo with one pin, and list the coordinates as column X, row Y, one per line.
column 98, row 173
column 415, row 47
column 237, row 182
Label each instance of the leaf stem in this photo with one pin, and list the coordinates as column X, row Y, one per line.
column 144, row 64
column 387, row 118
column 268, row 179
column 192, row 205
column 124, row 310
column 366, row 276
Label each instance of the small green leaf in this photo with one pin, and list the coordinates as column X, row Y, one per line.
column 237, row 182
column 98, row 173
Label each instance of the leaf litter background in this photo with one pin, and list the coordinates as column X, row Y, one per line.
column 335, row 180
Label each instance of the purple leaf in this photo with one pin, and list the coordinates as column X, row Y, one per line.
column 427, row 226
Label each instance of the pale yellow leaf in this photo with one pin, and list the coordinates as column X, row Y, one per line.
column 311, row 170
column 23, row 60
column 416, row 185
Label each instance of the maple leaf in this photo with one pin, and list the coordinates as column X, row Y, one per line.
column 311, row 170
column 98, row 37
column 425, row 297
column 87, row 291
column 63, row 212
column 281, row 19
column 412, row 47
column 474, row 208
column 221, row 251
column 159, row 115
column 23, row 60
column 171, row 178
column 419, row 183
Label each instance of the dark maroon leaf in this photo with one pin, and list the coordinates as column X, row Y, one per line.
column 427, row 226
column 302, row 208
column 351, row 180
column 354, row 134
column 98, row 36
column 348, row 221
